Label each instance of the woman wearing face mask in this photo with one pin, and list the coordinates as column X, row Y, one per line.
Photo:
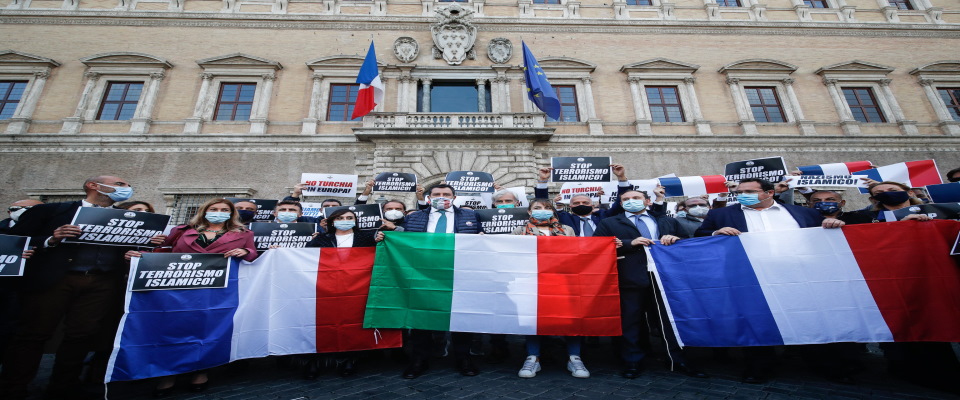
column 342, row 231
column 394, row 212
column 543, row 222
column 138, row 206
column 891, row 196
column 215, row 228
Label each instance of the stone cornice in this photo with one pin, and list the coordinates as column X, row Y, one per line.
column 208, row 143
column 519, row 25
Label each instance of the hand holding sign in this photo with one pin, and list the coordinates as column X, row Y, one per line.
column 395, row 182
column 580, row 169
column 336, row 185
column 63, row 232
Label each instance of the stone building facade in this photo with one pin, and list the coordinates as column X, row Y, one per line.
column 141, row 88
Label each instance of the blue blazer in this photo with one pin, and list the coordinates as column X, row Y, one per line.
column 464, row 221
column 733, row 217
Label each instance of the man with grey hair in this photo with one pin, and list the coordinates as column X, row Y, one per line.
column 830, row 204
column 505, row 198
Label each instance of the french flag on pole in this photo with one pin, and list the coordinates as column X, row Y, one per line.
column 371, row 88
column 911, row 173
column 694, row 185
column 844, row 168
column 883, row 282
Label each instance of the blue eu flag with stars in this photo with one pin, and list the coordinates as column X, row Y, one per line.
column 538, row 88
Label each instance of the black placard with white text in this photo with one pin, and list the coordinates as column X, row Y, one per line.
column 117, row 227
column 470, row 181
column 265, row 207
column 580, row 169
column 11, row 254
column 269, row 234
column 395, row 182
column 498, row 221
column 369, row 216
column 933, row 210
column 772, row 169
column 168, row 271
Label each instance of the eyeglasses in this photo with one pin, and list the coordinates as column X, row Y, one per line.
column 18, row 208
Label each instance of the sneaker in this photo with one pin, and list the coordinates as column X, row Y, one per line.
column 530, row 367
column 576, row 368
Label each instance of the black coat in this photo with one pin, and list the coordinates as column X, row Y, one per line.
column 632, row 260
column 360, row 239
column 48, row 265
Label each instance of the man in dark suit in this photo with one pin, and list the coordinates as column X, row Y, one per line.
column 15, row 211
column 9, row 302
column 636, row 229
column 77, row 283
column 759, row 212
column 442, row 217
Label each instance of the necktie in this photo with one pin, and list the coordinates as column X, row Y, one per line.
column 642, row 227
column 587, row 228
column 441, row 222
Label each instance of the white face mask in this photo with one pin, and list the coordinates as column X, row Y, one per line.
column 393, row 215
column 698, row 211
column 15, row 216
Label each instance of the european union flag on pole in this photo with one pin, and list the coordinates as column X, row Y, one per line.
column 538, row 88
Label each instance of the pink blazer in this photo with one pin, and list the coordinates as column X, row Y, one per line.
column 187, row 242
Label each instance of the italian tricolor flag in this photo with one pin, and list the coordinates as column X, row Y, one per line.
column 526, row 285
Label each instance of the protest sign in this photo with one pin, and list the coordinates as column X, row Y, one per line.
column 827, row 180
column 772, row 169
column 933, row 210
column 944, row 193
column 167, row 271
column 476, row 201
column 592, row 190
column 369, row 216
column 580, row 169
column 294, row 234
column 646, row 185
column 520, row 192
column 116, row 227
column 334, row 185
column 311, row 209
column 470, row 181
column 395, row 182
column 264, row 207
column 498, row 221
column 11, row 254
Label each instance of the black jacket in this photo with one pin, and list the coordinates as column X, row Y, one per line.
column 360, row 239
column 632, row 260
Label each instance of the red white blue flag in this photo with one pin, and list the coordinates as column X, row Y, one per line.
column 371, row 88
column 911, row 173
column 844, row 168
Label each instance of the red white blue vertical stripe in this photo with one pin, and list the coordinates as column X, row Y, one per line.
column 911, row 173
column 371, row 87
column 844, row 168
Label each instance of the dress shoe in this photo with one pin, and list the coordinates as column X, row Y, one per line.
column 311, row 369
column 415, row 369
column 199, row 387
column 631, row 370
column 466, row 367
column 347, row 367
column 689, row 370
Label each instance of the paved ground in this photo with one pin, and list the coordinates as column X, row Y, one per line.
column 380, row 379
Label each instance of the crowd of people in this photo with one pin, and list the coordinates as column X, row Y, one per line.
column 83, row 284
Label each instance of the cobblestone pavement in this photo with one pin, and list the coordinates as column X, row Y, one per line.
column 380, row 378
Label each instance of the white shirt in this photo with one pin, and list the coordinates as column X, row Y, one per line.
column 647, row 220
column 773, row 218
column 344, row 240
column 435, row 215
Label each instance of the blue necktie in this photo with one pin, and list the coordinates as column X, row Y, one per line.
column 642, row 227
column 587, row 228
column 441, row 222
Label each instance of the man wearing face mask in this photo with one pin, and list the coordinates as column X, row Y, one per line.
column 583, row 218
column 69, row 281
column 394, row 216
column 246, row 210
column 694, row 210
column 953, row 175
column 759, row 212
column 829, row 203
column 15, row 211
column 636, row 228
column 442, row 217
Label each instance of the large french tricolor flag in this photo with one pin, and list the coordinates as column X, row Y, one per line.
column 879, row 282
column 911, row 173
column 288, row 301
column 522, row 285
column 694, row 185
column 844, row 168
column 371, row 87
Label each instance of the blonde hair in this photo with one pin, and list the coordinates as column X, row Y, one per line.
column 199, row 220
column 878, row 207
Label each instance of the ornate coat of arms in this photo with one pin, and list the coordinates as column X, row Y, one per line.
column 453, row 34
column 406, row 49
column 500, row 50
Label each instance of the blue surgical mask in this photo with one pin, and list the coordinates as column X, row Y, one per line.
column 681, row 214
column 344, row 225
column 541, row 215
column 217, row 217
column 827, row 207
column 508, row 205
column 748, row 199
column 120, row 193
column 286, row 216
column 634, row 205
